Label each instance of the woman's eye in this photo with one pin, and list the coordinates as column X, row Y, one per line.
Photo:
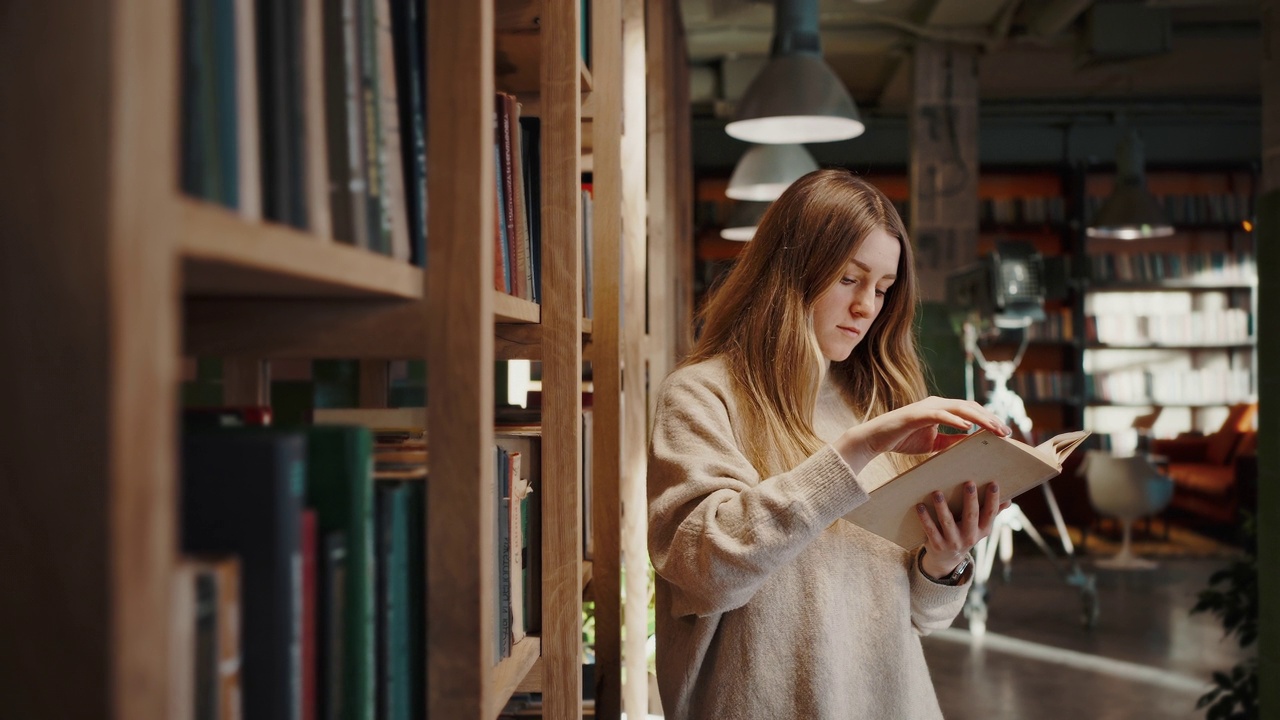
column 879, row 292
column 847, row 281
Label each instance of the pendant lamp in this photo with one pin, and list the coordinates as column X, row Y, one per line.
column 765, row 171
column 743, row 219
column 796, row 98
column 1130, row 212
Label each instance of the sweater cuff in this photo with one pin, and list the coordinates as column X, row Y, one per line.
column 826, row 485
column 931, row 594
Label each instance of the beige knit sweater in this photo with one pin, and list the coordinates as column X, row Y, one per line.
column 768, row 605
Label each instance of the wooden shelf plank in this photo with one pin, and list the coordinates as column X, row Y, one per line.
column 532, row 681
column 511, row 672
column 511, row 309
column 224, row 255
column 584, row 76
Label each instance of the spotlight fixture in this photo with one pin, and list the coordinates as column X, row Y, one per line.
column 765, row 171
column 1130, row 212
column 796, row 98
column 743, row 219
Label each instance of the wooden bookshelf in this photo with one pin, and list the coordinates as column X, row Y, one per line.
column 114, row 275
column 223, row 255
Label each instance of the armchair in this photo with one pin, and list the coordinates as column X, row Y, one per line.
column 1203, row 468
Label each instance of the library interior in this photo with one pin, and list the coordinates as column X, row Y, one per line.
column 308, row 469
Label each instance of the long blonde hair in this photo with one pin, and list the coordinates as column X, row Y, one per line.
column 760, row 318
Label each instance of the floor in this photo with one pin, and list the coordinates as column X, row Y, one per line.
column 1146, row 657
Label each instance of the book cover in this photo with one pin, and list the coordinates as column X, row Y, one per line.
column 308, row 542
column 527, row 442
column 343, row 123
column 331, row 609
column 242, row 495
column 505, row 107
column 340, row 488
column 982, row 457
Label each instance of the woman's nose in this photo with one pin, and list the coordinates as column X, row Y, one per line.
column 862, row 301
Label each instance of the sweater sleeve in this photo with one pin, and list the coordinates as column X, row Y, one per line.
column 934, row 606
column 716, row 530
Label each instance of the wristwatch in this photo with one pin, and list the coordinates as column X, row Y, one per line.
column 955, row 577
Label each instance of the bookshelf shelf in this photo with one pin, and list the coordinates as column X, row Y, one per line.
column 223, row 255
column 511, row 309
column 1171, row 286
column 1156, row 403
column 1181, row 347
column 511, row 672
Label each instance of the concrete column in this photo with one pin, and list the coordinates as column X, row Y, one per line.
column 944, row 162
column 1268, row 257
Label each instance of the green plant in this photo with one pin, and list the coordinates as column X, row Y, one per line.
column 1235, row 693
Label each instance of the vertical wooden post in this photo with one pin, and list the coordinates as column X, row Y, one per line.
column 661, row 203
column 90, row 324
column 1268, row 362
column 632, row 478
column 460, row 543
column 944, row 162
column 606, row 340
column 561, row 360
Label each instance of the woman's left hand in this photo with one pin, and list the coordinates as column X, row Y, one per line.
column 948, row 540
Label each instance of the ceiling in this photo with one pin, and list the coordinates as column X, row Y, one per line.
column 1096, row 56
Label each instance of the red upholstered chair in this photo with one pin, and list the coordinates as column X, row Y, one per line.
column 1203, row 467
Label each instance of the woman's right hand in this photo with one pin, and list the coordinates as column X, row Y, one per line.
column 913, row 429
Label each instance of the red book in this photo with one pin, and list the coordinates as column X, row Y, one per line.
column 307, row 545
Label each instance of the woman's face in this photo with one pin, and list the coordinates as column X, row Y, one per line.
column 844, row 313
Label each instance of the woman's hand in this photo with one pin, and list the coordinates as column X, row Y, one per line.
column 948, row 539
column 913, row 429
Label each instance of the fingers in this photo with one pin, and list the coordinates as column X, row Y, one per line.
column 952, row 534
column 963, row 413
column 991, row 506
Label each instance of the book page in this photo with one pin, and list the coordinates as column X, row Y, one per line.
column 1059, row 447
column 982, row 457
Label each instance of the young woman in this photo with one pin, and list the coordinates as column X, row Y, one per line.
column 803, row 394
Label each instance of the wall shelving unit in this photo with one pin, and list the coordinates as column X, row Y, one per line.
column 111, row 275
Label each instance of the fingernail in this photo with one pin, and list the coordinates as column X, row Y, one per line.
column 994, row 488
column 938, row 496
column 920, row 508
column 970, row 488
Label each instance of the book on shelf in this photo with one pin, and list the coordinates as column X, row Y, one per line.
column 395, row 196
column 525, row 443
column 339, row 485
column 242, row 495
column 407, row 18
column 331, row 608
column 982, row 457
column 309, row 550
column 207, row 630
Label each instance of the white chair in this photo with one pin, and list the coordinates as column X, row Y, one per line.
column 1126, row 488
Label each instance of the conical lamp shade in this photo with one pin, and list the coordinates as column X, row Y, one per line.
column 743, row 219
column 1130, row 212
column 766, row 170
column 796, row 98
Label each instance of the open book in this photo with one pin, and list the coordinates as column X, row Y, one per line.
column 982, row 457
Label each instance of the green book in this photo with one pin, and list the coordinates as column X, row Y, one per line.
column 340, row 488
